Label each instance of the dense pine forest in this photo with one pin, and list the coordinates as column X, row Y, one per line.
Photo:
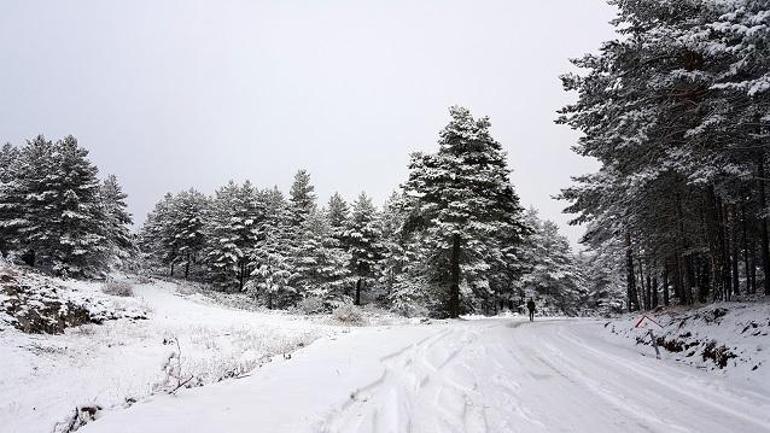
column 677, row 111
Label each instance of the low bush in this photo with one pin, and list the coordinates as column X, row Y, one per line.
column 312, row 305
column 349, row 314
column 118, row 288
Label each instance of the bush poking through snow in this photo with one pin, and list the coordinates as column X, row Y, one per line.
column 118, row 288
column 349, row 314
column 172, row 367
column 312, row 305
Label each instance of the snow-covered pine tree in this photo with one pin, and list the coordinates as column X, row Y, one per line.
column 399, row 268
column 362, row 240
column 28, row 197
column 190, row 210
column 270, row 261
column 302, row 197
column 552, row 274
column 157, row 241
column 10, row 200
column 319, row 266
column 338, row 212
column 117, row 220
column 62, row 227
column 232, row 232
column 461, row 198
column 682, row 182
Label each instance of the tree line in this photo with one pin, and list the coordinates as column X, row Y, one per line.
column 677, row 111
column 453, row 239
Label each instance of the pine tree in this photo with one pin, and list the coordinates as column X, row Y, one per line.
column 362, row 242
column 190, row 210
column 301, row 197
column 319, row 265
column 157, row 240
column 270, row 261
column 339, row 215
column 680, row 142
column 233, row 229
column 61, row 228
column 552, row 273
column 462, row 198
column 10, row 200
column 117, row 220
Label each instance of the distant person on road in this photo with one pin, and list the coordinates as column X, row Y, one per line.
column 531, row 308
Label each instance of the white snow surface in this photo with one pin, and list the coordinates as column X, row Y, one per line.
column 44, row 377
column 462, row 376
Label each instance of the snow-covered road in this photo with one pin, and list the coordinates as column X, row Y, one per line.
column 466, row 376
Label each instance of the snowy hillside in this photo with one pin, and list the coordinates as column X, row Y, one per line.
column 727, row 338
column 121, row 361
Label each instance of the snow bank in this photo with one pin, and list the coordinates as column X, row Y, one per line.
column 728, row 338
column 119, row 362
column 34, row 303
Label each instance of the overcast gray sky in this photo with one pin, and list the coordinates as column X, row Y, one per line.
column 173, row 94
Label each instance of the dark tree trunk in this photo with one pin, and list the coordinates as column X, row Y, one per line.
column 764, row 248
column 171, row 271
column 359, row 283
column 187, row 267
column 654, row 292
column 454, row 283
column 241, row 276
column 633, row 299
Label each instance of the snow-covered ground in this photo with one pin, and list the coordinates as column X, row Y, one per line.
column 112, row 365
column 261, row 372
column 462, row 376
column 730, row 339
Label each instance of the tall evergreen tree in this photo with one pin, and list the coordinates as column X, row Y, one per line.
column 233, row 232
column 10, row 199
column 680, row 142
column 61, row 227
column 362, row 242
column 117, row 220
column 319, row 265
column 552, row 273
column 462, row 198
column 157, row 240
column 339, row 215
column 302, row 197
column 271, row 258
column 190, row 210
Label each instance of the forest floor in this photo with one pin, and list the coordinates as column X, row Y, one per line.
column 493, row 375
column 259, row 371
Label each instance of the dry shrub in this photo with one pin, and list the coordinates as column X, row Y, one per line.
column 118, row 288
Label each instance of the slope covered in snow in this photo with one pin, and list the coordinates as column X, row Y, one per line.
column 730, row 339
column 45, row 377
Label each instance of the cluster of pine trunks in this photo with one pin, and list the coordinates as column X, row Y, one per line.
column 733, row 259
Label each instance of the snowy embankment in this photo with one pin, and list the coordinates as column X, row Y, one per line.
column 125, row 348
column 728, row 338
